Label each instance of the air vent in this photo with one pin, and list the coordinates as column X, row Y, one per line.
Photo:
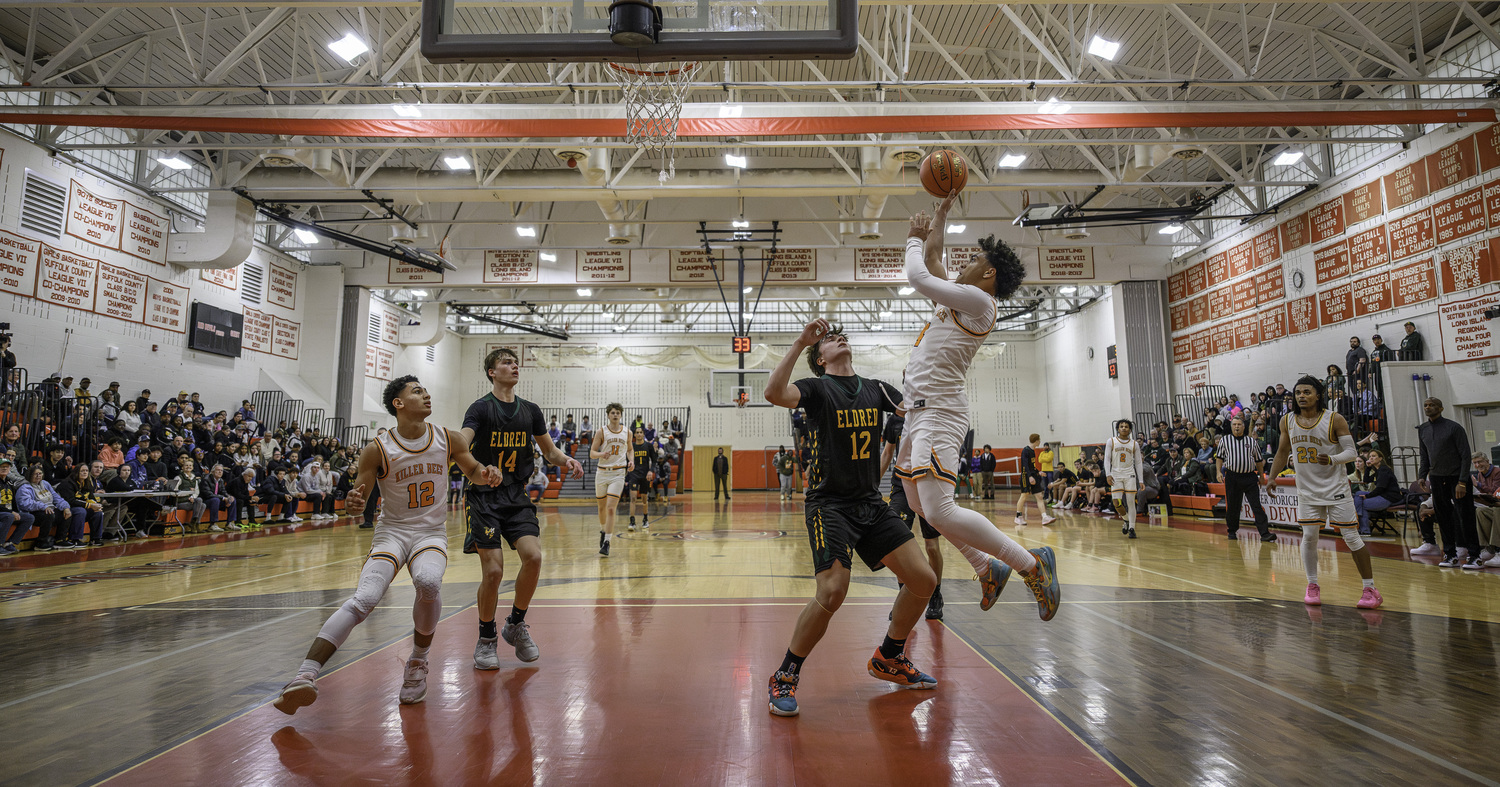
column 432, row 353
column 44, row 204
column 373, row 331
column 253, row 282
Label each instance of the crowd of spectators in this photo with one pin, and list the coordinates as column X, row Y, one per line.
column 64, row 446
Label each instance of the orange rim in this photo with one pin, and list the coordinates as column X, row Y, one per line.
column 644, row 72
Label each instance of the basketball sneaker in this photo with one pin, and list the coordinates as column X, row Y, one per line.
column 783, row 693
column 603, row 548
column 1021, row 520
column 1043, row 582
column 1314, row 597
column 1428, row 548
column 935, row 604
column 299, row 693
column 632, row 524
column 414, row 682
column 900, row 671
column 1370, row 599
column 1132, row 532
column 992, row 583
column 1047, row 519
column 485, row 656
column 518, row 636
column 645, row 523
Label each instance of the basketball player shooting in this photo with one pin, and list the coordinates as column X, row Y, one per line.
column 1323, row 493
column 410, row 465
column 938, row 408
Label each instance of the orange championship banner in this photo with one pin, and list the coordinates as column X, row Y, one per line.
column 515, row 128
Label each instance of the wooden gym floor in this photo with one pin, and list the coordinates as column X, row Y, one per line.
column 1177, row 658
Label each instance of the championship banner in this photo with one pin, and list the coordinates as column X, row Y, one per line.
column 601, row 266
column 145, row 234
column 802, row 264
column 166, row 305
column 19, row 258
column 1467, row 334
column 66, row 279
column 93, row 219
column 228, row 278
column 880, row 264
column 281, row 286
column 122, row 294
column 511, row 266
column 693, row 267
column 257, row 332
column 285, row 337
column 406, row 273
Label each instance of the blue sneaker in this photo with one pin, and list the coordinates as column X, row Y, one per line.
column 993, row 583
column 900, row 671
column 1043, row 583
column 784, row 694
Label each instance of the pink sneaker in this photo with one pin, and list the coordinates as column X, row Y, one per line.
column 1370, row 599
column 1314, row 596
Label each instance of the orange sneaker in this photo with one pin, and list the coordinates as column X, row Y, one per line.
column 900, row 671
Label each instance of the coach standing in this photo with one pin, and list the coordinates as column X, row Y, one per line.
column 1240, row 462
column 721, row 475
column 1445, row 464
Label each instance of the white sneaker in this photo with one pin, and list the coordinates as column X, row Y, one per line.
column 215, row 529
column 1485, row 555
column 1451, row 562
column 1048, row 519
column 1493, row 562
column 300, row 692
column 1020, row 520
column 414, row 682
column 294, row 518
column 1427, row 549
column 485, row 656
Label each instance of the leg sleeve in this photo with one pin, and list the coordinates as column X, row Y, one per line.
column 374, row 579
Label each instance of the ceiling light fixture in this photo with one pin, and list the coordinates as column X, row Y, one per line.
column 349, row 47
column 1171, row 229
column 1067, row 290
column 175, row 162
column 957, row 227
column 407, row 110
column 457, row 161
column 748, row 289
column 887, row 313
column 1287, row 158
column 548, row 256
column 526, row 232
column 1055, row 107
column 584, row 292
column 739, row 223
column 419, row 293
column 906, row 291
column 307, row 237
column 1103, row 47
column 738, row 162
column 1012, row 160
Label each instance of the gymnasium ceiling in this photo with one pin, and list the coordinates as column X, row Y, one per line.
column 247, row 60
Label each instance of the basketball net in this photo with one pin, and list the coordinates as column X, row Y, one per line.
column 653, row 103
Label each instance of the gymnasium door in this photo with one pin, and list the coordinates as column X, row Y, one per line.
column 703, row 466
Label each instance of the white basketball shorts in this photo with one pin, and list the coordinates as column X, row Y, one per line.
column 1338, row 514
column 400, row 545
column 931, row 443
column 609, row 481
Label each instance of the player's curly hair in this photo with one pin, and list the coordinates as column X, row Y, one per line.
column 393, row 390
column 1009, row 272
column 1316, row 385
column 814, row 351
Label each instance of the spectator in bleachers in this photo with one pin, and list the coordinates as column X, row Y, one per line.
column 213, row 490
column 130, row 417
column 268, row 448
column 57, row 466
column 316, row 483
column 152, row 418
column 1187, row 476
column 246, row 496
column 570, row 431
column 109, row 408
column 585, row 431
column 537, row 484
column 1062, row 480
column 1366, row 402
column 1334, row 382
column 1355, row 360
column 156, row 469
column 8, row 381
column 1379, row 353
column 11, row 439
column 242, row 456
column 273, row 491
column 1486, row 478
column 1381, row 490
column 38, row 498
column 111, row 454
column 82, row 392
column 1411, row 344
column 14, row 523
column 1205, row 458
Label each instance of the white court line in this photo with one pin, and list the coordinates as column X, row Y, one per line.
column 538, row 603
column 158, row 657
column 1397, row 742
column 246, row 582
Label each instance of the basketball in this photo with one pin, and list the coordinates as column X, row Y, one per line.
column 944, row 172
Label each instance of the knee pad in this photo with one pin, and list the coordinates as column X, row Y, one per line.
column 1352, row 538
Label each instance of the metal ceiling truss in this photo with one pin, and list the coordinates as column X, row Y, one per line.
column 125, row 54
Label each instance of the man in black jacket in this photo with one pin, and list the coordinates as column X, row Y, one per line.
column 246, row 495
column 1445, row 464
column 274, row 491
column 213, row 490
column 721, row 475
column 987, row 473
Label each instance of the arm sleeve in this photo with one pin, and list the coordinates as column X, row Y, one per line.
column 892, row 397
column 961, row 298
column 1347, row 451
column 1139, row 470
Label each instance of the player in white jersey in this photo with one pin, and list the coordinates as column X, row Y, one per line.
column 938, row 410
column 1122, row 468
column 611, row 448
column 1322, row 444
column 410, row 465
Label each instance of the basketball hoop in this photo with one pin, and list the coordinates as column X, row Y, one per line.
column 742, row 399
column 653, row 102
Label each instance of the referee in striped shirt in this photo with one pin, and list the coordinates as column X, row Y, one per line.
column 1240, row 463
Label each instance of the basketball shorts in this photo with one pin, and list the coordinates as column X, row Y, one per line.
column 1030, row 483
column 931, row 443
column 903, row 510
column 399, row 545
column 609, row 481
column 1339, row 513
column 837, row 531
column 499, row 518
column 636, row 482
column 1126, row 483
